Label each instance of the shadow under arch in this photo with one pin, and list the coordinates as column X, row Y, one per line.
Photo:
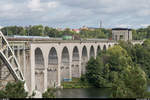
column 39, row 70
column 104, row 47
column 92, row 52
column 84, row 60
column 75, row 62
column 52, row 71
column 64, row 69
column 98, row 50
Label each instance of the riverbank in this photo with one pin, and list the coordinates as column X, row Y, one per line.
column 76, row 83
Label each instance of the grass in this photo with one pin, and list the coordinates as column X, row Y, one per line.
column 76, row 83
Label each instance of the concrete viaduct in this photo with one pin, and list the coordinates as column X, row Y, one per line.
column 46, row 63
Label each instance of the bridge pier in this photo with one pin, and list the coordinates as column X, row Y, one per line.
column 24, row 60
column 70, row 69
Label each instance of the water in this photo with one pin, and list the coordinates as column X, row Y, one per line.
column 148, row 88
column 84, row 93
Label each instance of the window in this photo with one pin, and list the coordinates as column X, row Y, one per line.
column 115, row 37
column 121, row 37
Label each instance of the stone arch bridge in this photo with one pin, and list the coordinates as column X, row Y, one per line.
column 46, row 63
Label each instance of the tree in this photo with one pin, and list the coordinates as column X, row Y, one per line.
column 132, row 84
column 14, row 90
column 115, row 68
column 94, row 72
column 50, row 93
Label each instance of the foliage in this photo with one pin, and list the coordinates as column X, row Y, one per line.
column 39, row 30
column 50, row 93
column 139, row 54
column 77, row 83
column 141, row 33
column 115, row 68
column 132, row 85
column 93, row 72
column 97, row 33
column 14, row 90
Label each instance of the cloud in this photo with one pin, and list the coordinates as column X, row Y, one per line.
column 124, row 26
column 52, row 4
column 75, row 13
column 35, row 5
column 144, row 25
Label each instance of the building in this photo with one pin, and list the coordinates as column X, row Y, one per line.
column 89, row 28
column 92, row 28
column 121, row 34
column 76, row 30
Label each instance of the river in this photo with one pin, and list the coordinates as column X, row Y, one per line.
column 83, row 93
column 86, row 93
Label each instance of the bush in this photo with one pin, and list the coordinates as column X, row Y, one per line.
column 50, row 93
column 14, row 90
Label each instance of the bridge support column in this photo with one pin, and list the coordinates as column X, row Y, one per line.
column 24, row 61
column 58, row 72
column 32, row 70
column 70, row 65
column 79, row 68
column 18, row 54
column 45, row 79
column 70, row 70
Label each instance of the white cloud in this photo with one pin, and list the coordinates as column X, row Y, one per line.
column 1, row 27
column 35, row 5
column 70, row 13
column 52, row 4
column 144, row 25
column 7, row 7
column 38, row 5
column 124, row 26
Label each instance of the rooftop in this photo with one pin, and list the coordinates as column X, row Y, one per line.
column 121, row 29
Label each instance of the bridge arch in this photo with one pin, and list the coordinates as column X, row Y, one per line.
column 39, row 70
column 52, row 68
column 75, row 62
column 84, row 60
column 65, row 60
column 104, row 48
column 98, row 49
column 39, row 59
column 109, row 46
column 92, row 52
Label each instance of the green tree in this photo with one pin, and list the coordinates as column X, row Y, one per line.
column 14, row 90
column 50, row 93
column 94, row 72
column 132, row 84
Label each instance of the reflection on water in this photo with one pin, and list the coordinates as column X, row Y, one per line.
column 84, row 93
column 148, row 88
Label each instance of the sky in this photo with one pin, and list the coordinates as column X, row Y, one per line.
column 75, row 13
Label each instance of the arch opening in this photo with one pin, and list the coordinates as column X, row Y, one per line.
column 104, row 47
column 52, row 76
column 39, row 60
column 65, row 64
column 75, row 62
column 84, row 60
column 39, row 70
column 92, row 52
column 98, row 50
